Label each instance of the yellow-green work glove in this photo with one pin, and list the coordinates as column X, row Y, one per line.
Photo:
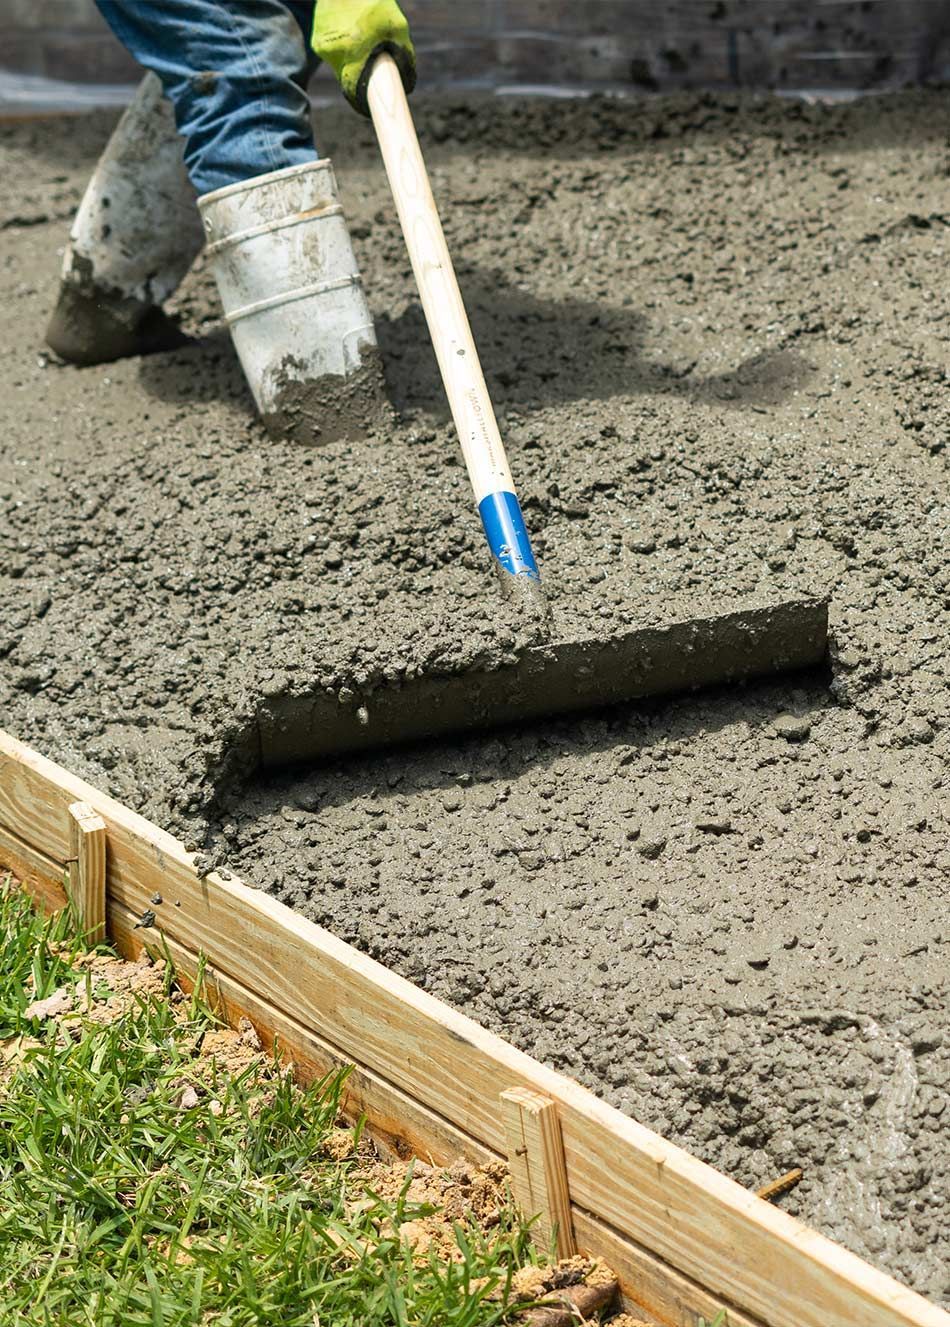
column 348, row 33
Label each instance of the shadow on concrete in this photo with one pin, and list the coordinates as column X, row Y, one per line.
column 541, row 352
column 535, row 352
column 205, row 371
column 640, row 730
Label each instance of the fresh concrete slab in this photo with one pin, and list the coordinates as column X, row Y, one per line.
column 716, row 331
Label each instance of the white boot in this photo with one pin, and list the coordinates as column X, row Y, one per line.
column 135, row 236
column 294, row 302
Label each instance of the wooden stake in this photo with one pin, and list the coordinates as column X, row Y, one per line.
column 537, row 1166
column 87, row 870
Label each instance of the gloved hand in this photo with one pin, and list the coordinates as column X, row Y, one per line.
column 348, row 33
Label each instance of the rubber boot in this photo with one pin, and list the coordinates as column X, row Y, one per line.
column 135, row 236
column 294, row 303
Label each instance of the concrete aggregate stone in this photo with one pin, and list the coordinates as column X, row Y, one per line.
column 715, row 329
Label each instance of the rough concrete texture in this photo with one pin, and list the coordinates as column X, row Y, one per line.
column 716, row 330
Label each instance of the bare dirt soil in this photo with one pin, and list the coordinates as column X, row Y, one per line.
column 717, row 331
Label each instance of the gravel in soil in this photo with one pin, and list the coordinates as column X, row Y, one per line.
column 716, row 329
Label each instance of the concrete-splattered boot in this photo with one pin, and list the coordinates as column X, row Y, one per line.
column 135, row 236
column 294, row 302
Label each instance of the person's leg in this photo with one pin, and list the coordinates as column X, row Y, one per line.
column 278, row 244
column 236, row 76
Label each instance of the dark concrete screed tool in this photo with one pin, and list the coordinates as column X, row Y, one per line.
column 553, row 676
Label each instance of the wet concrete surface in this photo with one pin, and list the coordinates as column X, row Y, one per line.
column 716, row 330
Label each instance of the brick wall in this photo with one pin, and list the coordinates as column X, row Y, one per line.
column 642, row 45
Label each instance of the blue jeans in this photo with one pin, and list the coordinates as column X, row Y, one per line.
column 236, row 74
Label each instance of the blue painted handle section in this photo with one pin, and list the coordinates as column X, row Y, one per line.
column 507, row 534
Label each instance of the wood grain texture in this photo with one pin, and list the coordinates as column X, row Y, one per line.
column 86, row 876
column 30, row 808
column 40, row 876
column 439, row 291
column 538, row 1170
column 652, row 1289
column 708, row 1228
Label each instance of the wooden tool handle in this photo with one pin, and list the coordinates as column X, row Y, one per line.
column 435, row 276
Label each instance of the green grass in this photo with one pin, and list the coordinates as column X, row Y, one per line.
column 118, row 1207
column 25, row 955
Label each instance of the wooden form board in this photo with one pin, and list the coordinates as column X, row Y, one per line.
column 683, row 1237
column 42, row 877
